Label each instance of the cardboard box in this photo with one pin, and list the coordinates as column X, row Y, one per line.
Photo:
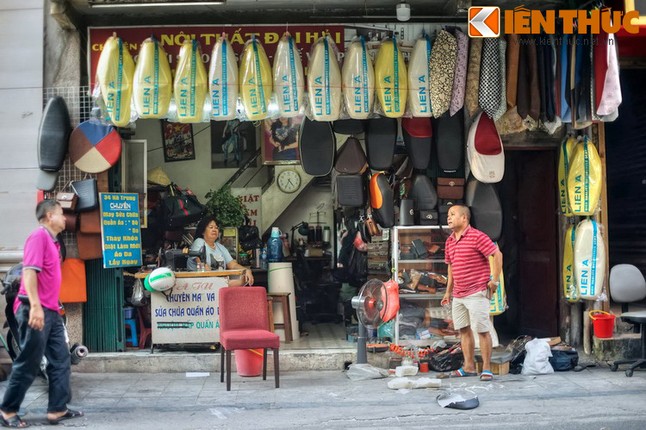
column 496, row 368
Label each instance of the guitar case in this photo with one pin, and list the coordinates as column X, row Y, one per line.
column 351, row 127
column 381, row 200
column 417, row 138
column 486, row 210
column 317, row 146
column 449, row 141
column 53, row 135
column 381, row 135
column 351, row 159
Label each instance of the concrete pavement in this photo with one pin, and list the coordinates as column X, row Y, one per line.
column 595, row 398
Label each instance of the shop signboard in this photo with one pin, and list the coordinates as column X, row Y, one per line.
column 120, row 230
column 172, row 37
column 188, row 313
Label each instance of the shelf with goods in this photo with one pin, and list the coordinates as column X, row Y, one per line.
column 379, row 256
column 418, row 261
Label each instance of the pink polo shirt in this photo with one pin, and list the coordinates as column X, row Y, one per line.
column 42, row 254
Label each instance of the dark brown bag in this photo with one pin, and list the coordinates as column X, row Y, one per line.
column 90, row 222
column 67, row 200
column 450, row 188
column 89, row 246
column 71, row 221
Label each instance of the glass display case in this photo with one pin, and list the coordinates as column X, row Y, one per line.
column 418, row 264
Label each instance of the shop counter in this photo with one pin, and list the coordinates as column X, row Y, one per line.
column 188, row 313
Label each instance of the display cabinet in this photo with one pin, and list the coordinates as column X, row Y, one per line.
column 418, row 263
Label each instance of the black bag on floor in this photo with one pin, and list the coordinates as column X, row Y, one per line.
column 564, row 358
column 447, row 360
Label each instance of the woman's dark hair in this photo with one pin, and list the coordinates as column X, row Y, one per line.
column 201, row 226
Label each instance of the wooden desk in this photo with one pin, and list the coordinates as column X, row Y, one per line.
column 283, row 299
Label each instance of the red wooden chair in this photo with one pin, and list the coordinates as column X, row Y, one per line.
column 244, row 324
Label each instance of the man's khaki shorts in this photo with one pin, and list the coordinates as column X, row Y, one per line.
column 472, row 311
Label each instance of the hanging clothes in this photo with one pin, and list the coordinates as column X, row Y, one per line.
column 442, row 65
column 473, row 77
column 460, row 76
column 513, row 51
column 502, row 64
column 490, row 77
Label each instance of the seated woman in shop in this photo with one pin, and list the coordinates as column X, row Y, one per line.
column 217, row 257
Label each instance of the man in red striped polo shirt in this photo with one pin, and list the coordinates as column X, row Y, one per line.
column 471, row 282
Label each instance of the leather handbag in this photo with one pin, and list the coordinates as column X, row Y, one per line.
column 67, row 200
column 87, row 194
column 89, row 246
column 450, row 188
column 71, row 221
column 90, row 222
column 428, row 217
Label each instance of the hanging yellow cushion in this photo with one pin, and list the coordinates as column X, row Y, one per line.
column 391, row 78
column 115, row 74
column 570, row 289
column 191, row 83
column 153, row 80
column 584, row 179
column 589, row 260
column 498, row 302
column 324, row 81
column 565, row 158
column 223, row 80
column 255, row 81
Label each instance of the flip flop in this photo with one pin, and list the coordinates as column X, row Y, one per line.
column 486, row 375
column 461, row 373
column 69, row 414
column 13, row 422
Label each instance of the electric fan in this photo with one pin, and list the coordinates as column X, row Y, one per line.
column 375, row 305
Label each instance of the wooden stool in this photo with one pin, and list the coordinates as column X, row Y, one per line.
column 283, row 299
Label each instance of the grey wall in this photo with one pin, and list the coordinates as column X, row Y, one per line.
column 21, row 102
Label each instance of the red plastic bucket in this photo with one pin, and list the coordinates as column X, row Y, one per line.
column 248, row 362
column 603, row 323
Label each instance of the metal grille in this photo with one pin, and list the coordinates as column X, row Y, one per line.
column 79, row 104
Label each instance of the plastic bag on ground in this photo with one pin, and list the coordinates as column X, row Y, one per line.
column 364, row 371
column 537, row 360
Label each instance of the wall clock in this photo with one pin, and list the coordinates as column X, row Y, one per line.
column 289, row 181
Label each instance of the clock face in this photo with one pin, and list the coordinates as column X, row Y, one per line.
column 289, row 181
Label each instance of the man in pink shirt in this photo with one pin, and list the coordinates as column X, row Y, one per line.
column 471, row 282
column 40, row 324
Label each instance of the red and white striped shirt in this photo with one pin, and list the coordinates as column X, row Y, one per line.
column 469, row 260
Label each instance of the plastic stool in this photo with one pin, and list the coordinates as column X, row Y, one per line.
column 132, row 325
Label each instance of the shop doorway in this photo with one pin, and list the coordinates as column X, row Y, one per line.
column 530, row 243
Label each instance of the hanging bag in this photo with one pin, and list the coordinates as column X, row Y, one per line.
column 181, row 207
column 88, row 199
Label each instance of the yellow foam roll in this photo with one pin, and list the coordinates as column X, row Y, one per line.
column 498, row 301
column 191, row 83
column 358, row 77
column 324, row 81
column 223, row 80
column 153, row 81
column 289, row 80
column 255, row 81
column 570, row 288
column 419, row 82
column 392, row 79
column 589, row 260
column 565, row 158
column 584, row 179
column 115, row 75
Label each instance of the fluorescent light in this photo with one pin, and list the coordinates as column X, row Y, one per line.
column 176, row 3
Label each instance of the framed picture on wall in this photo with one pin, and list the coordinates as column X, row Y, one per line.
column 280, row 140
column 233, row 143
column 178, row 141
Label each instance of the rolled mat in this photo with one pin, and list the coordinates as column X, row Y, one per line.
column 281, row 280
